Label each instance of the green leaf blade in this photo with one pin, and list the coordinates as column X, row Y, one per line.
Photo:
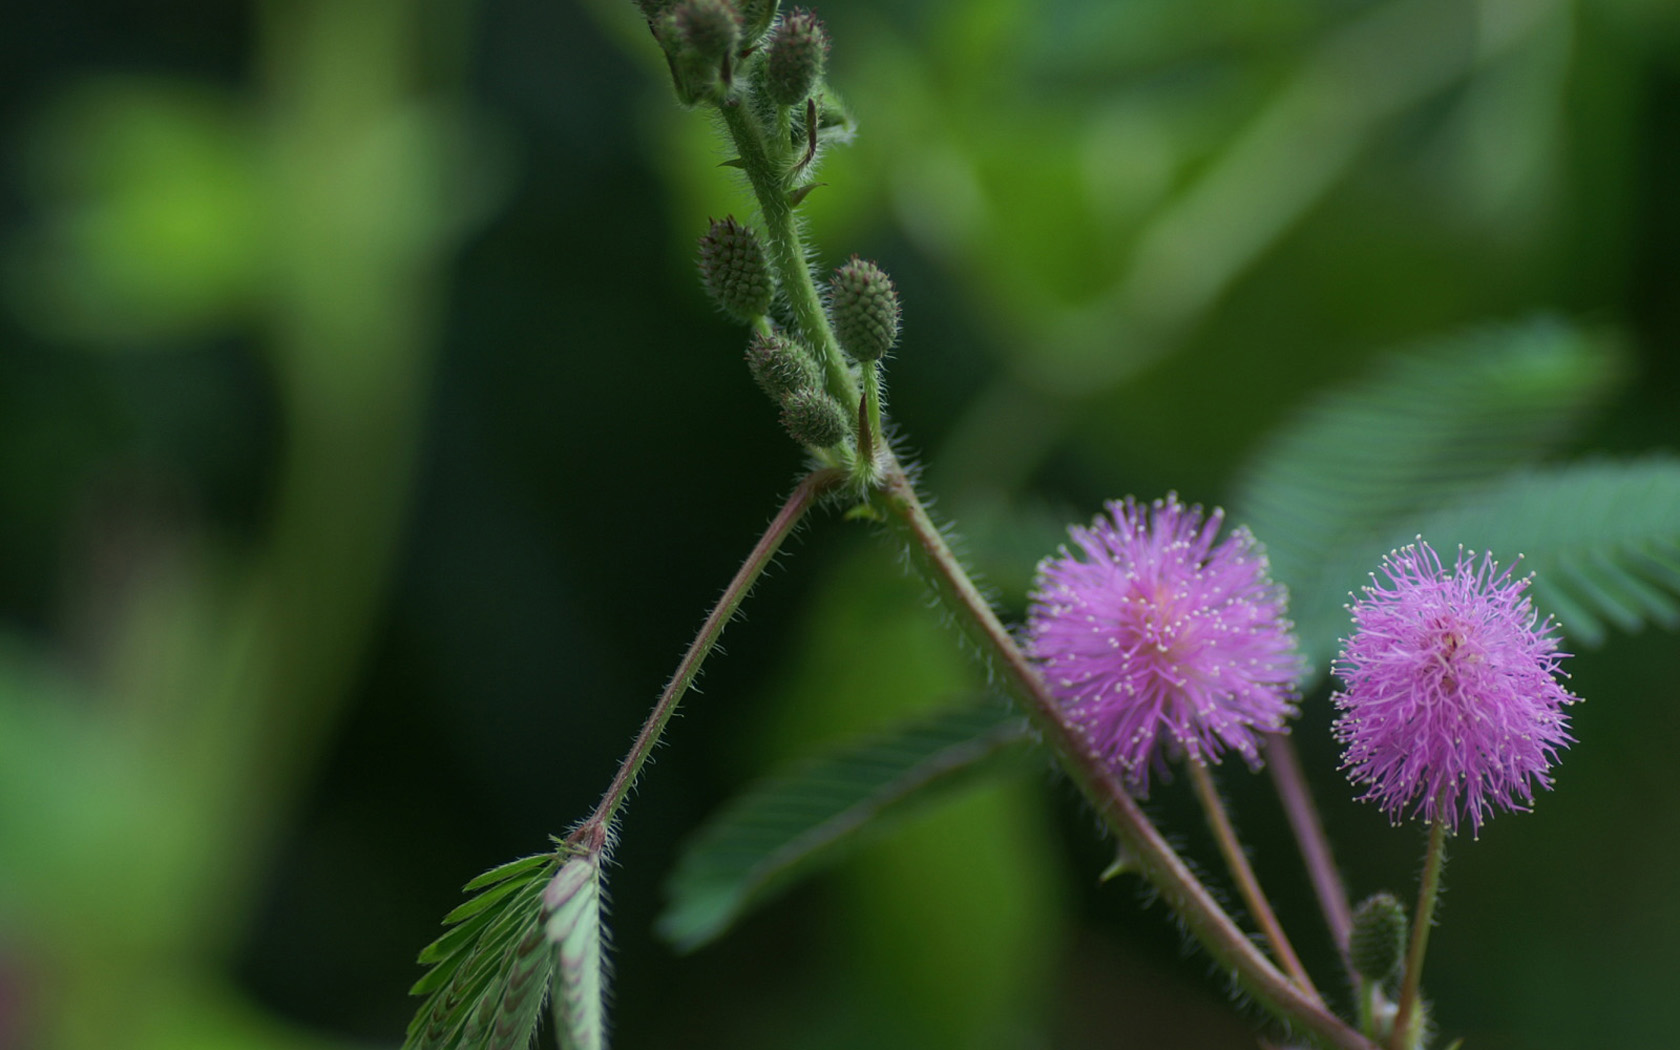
column 503, row 872
column 788, row 826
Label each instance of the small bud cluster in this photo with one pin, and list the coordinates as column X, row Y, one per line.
column 863, row 305
column 733, row 269
column 706, row 40
column 701, row 39
column 785, row 371
column 767, row 71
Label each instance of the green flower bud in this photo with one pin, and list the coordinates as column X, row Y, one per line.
column 1377, row 942
column 733, row 269
column 781, row 366
column 794, row 58
column 708, row 29
column 813, row 418
column 864, row 308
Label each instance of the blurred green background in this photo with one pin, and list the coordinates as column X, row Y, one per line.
column 368, row 454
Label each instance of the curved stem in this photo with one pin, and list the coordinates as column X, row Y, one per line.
column 1428, row 892
column 1247, row 884
column 592, row 833
column 1285, row 767
column 1181, row 890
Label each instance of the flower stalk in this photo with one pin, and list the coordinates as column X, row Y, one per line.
column 1404, row 1038
column 1284, row 764
column 1247, row 883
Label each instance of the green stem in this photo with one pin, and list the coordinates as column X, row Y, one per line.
column 1365, row 992
column 872, row 390
column 872, row 407
column 1427, row 894
column 1181, row 890
column 1247, row 883
column 592, row 833
column 764, row 162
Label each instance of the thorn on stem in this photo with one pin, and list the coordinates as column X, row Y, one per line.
column 810, row 134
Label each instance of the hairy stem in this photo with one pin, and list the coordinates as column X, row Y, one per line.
column 1285, row 767
column 1247, row 884
column 1428, row 892
column 1181, row 890
column 592, row 832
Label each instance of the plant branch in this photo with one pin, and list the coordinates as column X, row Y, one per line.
column 764, row 166
column 592, row 832
column 1223, row 939
column 1247, row 884
column 1285, row 767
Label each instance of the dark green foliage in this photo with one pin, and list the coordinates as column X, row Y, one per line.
column 1377, row 942
column 790, row 826
column 794, row 58
column 1357, row 471
column 864, row 308
column 489, row 974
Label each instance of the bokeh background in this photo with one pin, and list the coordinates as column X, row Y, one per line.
column 368, row 454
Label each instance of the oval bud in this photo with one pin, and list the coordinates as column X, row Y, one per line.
column 863, row 305
column 780, row 366
column 1377, row 942
column 708, row 30
column 793, row 62
column 733, row 269
column 814, row 418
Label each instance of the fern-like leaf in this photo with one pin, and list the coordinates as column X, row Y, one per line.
column 1422, row 430
column 1602, row 539
column 789, row 826
column 572, row 903
column 490, row 972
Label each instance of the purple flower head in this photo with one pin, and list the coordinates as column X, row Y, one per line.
column 1451, row 707
column 1159, row 637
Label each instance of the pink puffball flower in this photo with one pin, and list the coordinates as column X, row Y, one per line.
column 1158, row 637
column 1452, row 706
